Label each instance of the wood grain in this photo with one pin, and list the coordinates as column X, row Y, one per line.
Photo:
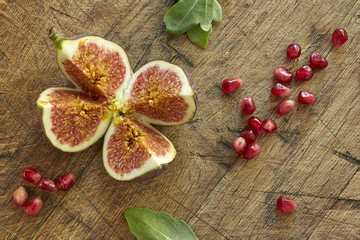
column 314, row 158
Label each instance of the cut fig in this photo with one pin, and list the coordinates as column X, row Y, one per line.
column 158, row 93
column 161, row 93
column 72, row 120
column 97, row 66
column 133, row 148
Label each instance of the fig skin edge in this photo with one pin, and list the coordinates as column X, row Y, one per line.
column 151, row 174
column 194, row 89
column 57, row 39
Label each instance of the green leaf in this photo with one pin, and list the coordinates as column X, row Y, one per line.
column 147, row 224
column 187, row 14
column 198, row 36
column 217, row 12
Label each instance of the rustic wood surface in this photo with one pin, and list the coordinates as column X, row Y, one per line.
column 313, row 159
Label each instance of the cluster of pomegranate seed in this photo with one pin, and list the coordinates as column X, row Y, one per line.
column 305, row 73
column 246, row 143
column 32, row 175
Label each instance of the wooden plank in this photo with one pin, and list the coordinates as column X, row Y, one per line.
column 313, row 158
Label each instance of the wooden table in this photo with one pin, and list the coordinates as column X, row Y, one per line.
column 313, row 158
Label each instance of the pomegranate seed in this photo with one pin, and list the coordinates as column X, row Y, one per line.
column 231, row 85
column 339, row 37
column 251, row 151
column 280, row 90
column 306, row 98
column 20, row 196
column 317, row 61
column 31, row 175
column 65, row 182
column 305, row 73
column 286, row 205
column 47, row 184
column 248, row 105
column 255, row 125
column 293, row 51
column 285, row 107
column 269, row 126
column 33, row 208
column 239, row 145
column 248, row 135
column 283, row 75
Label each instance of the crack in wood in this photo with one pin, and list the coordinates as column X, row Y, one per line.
column 98, row 212
column 11, row 232
column 62, row 13
column 347, row 156
column 10, row 154
column 288, row 134
column 72, row 217
column 175, row 54
column 226, row 165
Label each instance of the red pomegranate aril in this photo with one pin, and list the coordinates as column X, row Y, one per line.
column 285, row 107
column 47, row 184
column 269, row 126
column 31, row 175
column 33, row 208
column 293, row 51
column 286, row 205
column 255, row 125
column 283, row 75
column 251, row 151
column 248, row 106
column 339, row 37
column 248, row 135
column 20, row 196
column 239, row 145
column 231, row 85
column 65, row 182
column 317, row 61
column 280, row 90
column 306, row 98
column 305, row 73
